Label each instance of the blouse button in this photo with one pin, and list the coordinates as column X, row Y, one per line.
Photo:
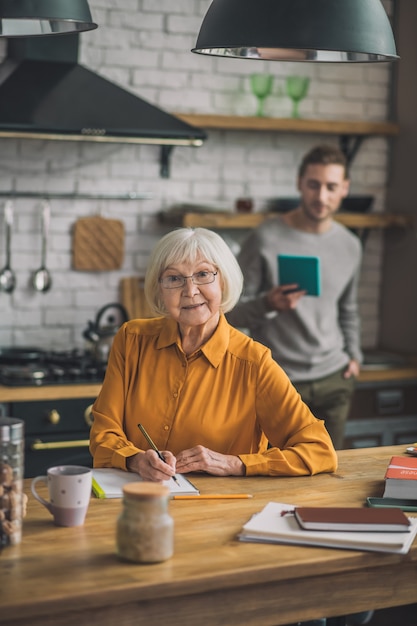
column 166, row 427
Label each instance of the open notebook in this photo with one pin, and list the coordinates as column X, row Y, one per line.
column 108, row 483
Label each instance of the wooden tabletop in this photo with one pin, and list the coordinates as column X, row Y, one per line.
column 72, row 576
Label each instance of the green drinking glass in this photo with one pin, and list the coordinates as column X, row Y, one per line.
column 261, row 86
column 297, row 89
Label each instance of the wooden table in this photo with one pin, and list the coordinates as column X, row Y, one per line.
column 72, row 576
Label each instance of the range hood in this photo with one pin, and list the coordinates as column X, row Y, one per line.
column 46, row 94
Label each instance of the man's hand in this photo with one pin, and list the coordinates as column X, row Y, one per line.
column 353, row 368
column 150, row 467
column 201, row 459
column 284, row 297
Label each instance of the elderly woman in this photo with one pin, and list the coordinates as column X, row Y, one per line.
column 212, row 399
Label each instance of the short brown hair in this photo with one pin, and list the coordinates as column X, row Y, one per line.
column 323, row 155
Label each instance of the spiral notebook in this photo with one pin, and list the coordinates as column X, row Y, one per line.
column 109, row 482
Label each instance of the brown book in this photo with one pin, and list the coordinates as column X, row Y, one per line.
column 352, row 519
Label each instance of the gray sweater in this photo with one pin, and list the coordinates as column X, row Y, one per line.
column 322, row 333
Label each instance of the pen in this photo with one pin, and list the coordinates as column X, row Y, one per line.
column 216, row 496
column 153, row 446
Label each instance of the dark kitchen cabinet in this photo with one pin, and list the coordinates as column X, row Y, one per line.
column 383, row 413
column 56, row 432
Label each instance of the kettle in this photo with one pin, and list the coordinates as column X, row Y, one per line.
column 101, row 332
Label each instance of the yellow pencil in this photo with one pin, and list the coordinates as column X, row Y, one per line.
column 216, row 496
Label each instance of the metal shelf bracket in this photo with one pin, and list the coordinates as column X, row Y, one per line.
column 349, row 145
column 166, row 152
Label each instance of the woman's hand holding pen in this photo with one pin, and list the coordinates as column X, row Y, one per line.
column 198, row 459
column 150, row 467
column 201, row 459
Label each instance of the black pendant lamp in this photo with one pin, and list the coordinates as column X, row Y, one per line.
column 28, row 18
column 346, row 31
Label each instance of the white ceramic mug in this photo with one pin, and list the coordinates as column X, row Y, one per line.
column 69, row 489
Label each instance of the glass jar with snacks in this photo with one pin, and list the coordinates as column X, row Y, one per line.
column 145, row 530
column 12, row 499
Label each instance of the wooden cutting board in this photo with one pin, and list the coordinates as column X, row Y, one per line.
column 132, row 297
column 98, row 244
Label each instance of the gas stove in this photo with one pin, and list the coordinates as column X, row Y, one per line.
column 35, row 367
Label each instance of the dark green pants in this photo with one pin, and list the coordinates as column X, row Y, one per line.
column 329, row 399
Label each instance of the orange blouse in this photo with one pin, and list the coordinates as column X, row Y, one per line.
column 230, row 397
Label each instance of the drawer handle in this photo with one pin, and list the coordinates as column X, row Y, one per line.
column 38, row 444
column 54, row 417
column 390, row 401
column 88, row 416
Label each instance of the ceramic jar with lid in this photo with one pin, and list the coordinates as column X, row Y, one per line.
column 244, row 205
column 12, row 499
column 145, row 530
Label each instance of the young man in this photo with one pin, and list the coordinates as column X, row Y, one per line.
column 315, row 339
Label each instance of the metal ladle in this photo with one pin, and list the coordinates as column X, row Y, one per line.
column 41, row 279
column 7, row 276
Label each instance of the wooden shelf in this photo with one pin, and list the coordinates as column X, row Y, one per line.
column 351, row 133
column 251, row 220
column 289, row 125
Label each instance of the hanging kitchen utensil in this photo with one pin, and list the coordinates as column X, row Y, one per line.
column 98, row 244
column 7, row 276
column 41, row 279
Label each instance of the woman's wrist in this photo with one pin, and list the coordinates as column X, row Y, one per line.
column 132, row 464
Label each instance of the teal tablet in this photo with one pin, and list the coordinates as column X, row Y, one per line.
column 303, row 270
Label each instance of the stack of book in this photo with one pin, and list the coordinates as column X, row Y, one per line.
column 384, row 529
column 401, row 478
column 378, row 530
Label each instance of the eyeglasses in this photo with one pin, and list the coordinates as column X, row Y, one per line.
column 175, row 281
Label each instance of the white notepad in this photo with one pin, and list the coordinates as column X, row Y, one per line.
column 108, row 483
column 270, row 526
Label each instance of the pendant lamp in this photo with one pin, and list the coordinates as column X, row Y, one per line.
column 344, row 31
column 28, row 18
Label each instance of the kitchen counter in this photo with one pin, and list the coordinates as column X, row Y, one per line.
column 388, row 374
column 49, row 392
column 62, row 392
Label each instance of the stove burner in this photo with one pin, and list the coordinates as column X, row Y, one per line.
column 26, row 374
column 50, row 368
column 57, row 371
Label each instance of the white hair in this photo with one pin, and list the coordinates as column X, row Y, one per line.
column 189, row 244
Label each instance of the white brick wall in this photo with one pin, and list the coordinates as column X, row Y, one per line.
column 144, row 45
